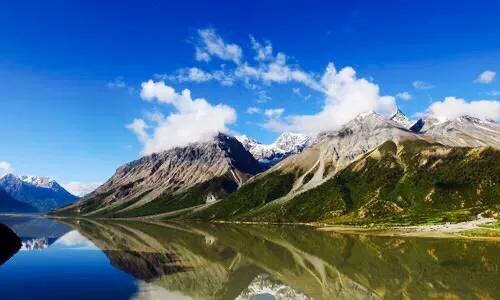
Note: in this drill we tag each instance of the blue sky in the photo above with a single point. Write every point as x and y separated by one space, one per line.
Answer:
71 71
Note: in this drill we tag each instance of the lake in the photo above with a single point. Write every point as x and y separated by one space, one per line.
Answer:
90 259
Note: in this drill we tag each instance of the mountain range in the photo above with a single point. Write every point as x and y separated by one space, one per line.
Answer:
32 194
373 169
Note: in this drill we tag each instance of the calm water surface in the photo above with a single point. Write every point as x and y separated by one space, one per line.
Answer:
133 260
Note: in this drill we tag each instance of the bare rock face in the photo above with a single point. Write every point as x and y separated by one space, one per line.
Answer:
336 149
171 172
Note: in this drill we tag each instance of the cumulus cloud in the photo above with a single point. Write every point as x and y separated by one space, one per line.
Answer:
404 96
5 168
486 77
139 126
346 96
422 85
211 44
194 120
80 189
452 107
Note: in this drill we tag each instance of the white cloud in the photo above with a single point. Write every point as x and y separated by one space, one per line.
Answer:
194 74
262 52
486 77
139 126
80 188
493 93
404 96
452 107
346 96
253 110
211 44
422 85
270 68
274 113
5 168
194 120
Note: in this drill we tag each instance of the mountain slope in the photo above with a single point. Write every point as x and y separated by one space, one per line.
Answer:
10 205
174 179
405 182
39 192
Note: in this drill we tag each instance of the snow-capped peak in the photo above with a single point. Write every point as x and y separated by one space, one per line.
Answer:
286 144
367 114
400 118
292 142
38 181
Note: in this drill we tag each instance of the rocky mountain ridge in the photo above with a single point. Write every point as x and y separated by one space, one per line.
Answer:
210 170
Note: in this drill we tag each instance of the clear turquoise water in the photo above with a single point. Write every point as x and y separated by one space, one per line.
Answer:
134 260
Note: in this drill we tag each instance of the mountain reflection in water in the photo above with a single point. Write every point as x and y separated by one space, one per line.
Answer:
227 261
292 262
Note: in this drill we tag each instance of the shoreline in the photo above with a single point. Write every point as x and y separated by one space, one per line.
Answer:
445 230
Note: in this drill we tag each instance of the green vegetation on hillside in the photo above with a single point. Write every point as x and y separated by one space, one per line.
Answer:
413 183
254 194
193 196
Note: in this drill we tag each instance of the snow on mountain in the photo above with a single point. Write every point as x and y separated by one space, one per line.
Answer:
463 131
400 118
34 244
40 192
266 287
39 181
269 154
292 142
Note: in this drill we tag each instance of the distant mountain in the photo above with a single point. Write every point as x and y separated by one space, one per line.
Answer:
40 192
464 131
286 144
10 205
179 178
